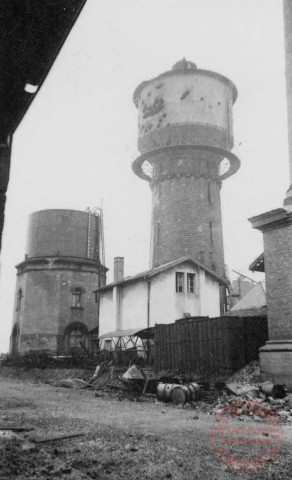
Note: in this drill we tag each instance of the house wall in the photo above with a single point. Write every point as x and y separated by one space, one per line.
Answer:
162 298
106 313
168 305
126 306
210 295
134 305
123 307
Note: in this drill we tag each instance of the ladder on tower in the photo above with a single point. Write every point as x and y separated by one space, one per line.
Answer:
102 237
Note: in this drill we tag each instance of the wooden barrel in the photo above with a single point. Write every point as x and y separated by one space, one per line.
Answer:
195 391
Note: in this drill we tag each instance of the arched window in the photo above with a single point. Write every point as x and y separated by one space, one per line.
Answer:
76 298
76 335
74 338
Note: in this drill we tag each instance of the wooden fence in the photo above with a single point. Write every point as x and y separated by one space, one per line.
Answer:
209 345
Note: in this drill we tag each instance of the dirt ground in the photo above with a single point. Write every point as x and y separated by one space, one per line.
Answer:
121 439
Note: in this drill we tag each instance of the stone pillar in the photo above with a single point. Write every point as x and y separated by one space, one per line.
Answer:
287 6
276 355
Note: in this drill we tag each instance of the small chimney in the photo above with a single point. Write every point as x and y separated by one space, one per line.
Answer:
118 269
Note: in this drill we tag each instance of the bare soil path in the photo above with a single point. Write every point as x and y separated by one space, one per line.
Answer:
122 439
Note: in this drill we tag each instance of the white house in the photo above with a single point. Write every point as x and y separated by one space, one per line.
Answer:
184 287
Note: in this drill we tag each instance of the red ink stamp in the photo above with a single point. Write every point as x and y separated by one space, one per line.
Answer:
247 446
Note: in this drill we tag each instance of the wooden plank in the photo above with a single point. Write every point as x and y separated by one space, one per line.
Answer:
166 339
195 327
211 346
217 325
189 344
176 346
60 437
16 428
207 346
204 335
170 359
200 345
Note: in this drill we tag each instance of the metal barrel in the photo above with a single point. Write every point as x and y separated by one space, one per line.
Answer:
275 391
195 391
164 391
181 394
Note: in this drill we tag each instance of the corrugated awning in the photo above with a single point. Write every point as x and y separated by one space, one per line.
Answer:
134 332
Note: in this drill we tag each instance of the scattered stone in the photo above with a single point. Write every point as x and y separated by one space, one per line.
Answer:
66 470
239 390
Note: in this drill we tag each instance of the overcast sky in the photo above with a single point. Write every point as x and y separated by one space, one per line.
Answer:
76 144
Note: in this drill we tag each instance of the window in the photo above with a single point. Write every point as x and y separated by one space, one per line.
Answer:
19 299
179 282
76 335
107 345
191 283
76 298
74 338
211 232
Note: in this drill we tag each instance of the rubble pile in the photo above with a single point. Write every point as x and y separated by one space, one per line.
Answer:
282 407
248 374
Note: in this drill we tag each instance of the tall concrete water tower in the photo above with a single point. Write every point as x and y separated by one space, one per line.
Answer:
185 140
55 308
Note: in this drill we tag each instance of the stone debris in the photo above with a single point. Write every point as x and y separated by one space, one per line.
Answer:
239 390
275 391
75 383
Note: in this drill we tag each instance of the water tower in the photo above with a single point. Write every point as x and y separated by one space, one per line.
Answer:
55 308
185 139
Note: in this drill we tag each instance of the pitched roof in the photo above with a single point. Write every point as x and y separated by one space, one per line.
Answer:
162 268
255 298
258 265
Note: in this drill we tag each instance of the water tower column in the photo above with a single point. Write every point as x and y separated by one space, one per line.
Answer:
185 134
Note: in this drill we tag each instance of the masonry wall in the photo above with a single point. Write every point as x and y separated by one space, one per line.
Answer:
186 210
47 303
278 269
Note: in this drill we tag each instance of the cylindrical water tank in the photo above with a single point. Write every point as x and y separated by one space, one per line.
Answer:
185 106
69 233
